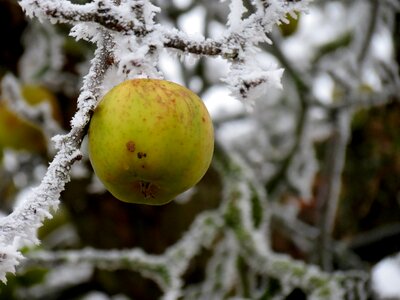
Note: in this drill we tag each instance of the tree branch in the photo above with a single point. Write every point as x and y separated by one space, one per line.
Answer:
19 227
328 195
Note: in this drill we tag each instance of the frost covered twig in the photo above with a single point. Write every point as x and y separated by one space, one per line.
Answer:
19 228
166 269
246 79
150 266
254 246
119 18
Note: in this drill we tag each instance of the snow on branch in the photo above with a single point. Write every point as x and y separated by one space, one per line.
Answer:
150 266
247 79
19 228
249 82
165 269
255 250
136 18
103 12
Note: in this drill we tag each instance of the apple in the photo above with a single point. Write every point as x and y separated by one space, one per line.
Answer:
21 134
288 29
36 94
150 140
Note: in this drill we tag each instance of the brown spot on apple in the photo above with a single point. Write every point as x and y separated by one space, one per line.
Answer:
148 189
141 155
130 146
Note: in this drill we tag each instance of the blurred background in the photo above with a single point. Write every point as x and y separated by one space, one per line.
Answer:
326 148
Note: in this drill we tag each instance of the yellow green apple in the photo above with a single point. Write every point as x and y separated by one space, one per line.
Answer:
150 140
21 134
288 29
36 94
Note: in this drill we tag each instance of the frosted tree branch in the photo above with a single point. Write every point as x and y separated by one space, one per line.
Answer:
166 269
255 247
149 266
116 18
19 228
236 45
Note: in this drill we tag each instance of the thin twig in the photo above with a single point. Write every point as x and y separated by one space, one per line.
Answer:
328 195
373 21
303 89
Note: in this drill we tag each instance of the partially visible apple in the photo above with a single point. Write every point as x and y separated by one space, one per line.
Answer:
36 94
150 140
288 29
21 134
